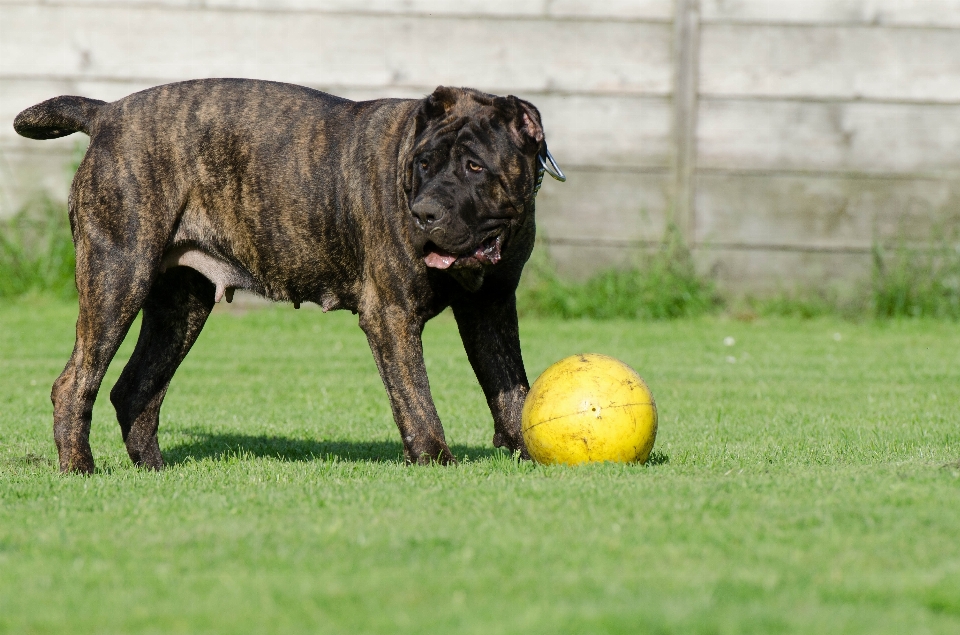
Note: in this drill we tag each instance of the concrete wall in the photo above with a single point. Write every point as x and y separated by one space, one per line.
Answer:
783 136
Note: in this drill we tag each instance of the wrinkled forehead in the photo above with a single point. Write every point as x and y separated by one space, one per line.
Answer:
490 140
484 137
471 120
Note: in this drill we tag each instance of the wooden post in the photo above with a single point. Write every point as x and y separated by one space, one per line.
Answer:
686 60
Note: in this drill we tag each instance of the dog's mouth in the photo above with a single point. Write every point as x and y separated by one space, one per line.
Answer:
488 253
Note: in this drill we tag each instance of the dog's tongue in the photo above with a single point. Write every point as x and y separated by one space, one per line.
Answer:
439 260
487 253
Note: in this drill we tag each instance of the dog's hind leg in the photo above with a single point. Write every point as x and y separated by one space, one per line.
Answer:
112 284
173 315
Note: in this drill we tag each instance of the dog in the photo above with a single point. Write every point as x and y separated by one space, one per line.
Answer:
394 209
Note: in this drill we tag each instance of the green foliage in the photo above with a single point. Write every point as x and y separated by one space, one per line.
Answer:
36 251
36 244
664 284
912 282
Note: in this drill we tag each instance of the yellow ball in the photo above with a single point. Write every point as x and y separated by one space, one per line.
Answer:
589 408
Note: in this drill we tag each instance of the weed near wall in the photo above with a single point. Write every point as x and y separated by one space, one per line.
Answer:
912 282
36 251
907 281
663 284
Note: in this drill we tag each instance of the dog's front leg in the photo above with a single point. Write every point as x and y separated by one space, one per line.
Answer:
491 337
394 337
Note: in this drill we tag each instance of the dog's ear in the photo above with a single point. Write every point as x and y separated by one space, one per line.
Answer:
441 100
530 123
523 120
436 106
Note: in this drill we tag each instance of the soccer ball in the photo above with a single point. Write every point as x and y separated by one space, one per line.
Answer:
589 408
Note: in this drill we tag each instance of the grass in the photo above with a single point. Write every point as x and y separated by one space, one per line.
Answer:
807 479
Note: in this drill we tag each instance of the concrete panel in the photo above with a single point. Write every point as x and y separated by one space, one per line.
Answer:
628 9
606 130
830 62
657 10
825 213
158 44
928 13
598 206
579 262
764 272
829 137
25 175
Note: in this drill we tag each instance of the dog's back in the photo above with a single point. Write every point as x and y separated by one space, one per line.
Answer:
228 164
219 99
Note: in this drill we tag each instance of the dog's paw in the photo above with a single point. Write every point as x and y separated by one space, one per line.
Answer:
440 455
513 444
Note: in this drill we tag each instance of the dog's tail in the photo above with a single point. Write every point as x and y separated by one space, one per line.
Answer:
57 117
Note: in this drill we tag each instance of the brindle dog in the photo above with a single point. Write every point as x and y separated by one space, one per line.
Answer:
394 209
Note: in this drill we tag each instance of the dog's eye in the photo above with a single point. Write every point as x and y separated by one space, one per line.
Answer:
474 167
424 165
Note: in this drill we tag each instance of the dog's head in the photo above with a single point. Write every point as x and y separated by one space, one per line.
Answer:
470 176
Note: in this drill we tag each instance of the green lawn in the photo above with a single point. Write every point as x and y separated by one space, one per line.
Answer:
806 479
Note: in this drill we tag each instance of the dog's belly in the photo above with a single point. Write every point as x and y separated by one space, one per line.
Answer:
227 277
243 247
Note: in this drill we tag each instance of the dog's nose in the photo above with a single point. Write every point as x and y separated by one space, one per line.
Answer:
428 212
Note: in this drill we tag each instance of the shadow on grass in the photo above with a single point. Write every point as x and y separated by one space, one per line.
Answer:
29 460
219 446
